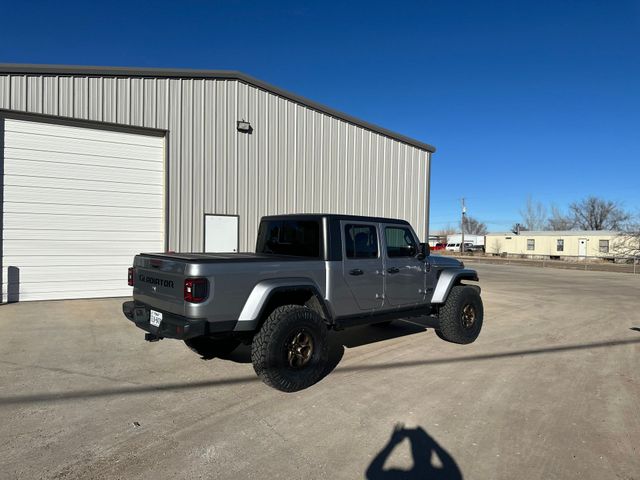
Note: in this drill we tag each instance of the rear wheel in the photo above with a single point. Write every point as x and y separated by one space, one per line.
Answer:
290 350
209 348
461 316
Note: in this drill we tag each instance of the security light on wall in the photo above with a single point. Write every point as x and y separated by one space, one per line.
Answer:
244 126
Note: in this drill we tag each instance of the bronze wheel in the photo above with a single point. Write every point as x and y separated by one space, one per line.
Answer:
468 316
461 316
290 351
299 349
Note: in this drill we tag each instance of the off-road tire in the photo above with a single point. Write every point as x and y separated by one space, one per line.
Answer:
209 348
452 321
271 346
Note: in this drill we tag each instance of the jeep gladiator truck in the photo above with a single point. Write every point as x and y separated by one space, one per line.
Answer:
309 274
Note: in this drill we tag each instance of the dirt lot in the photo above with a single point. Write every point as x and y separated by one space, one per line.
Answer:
551 390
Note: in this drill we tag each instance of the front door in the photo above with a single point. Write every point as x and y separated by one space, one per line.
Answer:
404 273
582 247
363 264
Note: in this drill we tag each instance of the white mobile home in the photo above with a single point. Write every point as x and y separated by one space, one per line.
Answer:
563 244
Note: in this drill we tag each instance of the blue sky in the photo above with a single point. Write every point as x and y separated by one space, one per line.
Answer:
537 98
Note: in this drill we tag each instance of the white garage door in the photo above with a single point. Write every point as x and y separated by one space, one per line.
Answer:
78 203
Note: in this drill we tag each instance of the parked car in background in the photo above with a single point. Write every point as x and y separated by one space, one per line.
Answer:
455 247
468 238
437 247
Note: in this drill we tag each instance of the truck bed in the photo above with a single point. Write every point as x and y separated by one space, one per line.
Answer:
226 257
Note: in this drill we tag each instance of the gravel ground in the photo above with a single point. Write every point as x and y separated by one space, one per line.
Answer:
550 390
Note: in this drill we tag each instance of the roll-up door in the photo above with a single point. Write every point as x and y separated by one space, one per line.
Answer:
77 204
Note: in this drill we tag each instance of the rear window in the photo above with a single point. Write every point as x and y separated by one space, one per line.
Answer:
289 237
361 241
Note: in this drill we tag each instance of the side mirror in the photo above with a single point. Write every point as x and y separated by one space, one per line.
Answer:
423 252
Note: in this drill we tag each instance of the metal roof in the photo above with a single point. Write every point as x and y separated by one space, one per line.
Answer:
29 69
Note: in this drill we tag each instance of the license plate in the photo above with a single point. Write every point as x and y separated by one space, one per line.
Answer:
155 318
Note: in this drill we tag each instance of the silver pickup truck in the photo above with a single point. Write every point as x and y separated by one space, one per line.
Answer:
309 274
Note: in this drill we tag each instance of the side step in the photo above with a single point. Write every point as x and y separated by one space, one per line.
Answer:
358 320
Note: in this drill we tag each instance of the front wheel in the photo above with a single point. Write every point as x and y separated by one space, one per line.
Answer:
290 351
461 316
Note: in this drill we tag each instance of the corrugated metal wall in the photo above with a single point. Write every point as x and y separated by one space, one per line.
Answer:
296 160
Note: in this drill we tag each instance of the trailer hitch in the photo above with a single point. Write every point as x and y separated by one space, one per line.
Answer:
150 337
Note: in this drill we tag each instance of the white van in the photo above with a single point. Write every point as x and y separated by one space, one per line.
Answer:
455 247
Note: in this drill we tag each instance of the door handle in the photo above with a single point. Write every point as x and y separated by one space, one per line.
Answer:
393 270
356 271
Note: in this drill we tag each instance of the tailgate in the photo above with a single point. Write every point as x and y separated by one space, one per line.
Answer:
159 282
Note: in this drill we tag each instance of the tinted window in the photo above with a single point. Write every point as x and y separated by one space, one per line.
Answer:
400 242
289 237
361 241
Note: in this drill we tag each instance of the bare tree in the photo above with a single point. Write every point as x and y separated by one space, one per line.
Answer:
474 226
560 221
595 213
448 229
518 227
534 215
628 242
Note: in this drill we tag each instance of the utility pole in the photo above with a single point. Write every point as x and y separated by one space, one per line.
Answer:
464 211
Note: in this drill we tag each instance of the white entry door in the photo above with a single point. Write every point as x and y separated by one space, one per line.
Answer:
220 233
582 247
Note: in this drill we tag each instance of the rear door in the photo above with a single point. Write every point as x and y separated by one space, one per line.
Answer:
362 263
404 273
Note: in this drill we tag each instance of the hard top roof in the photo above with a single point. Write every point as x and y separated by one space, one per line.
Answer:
338 216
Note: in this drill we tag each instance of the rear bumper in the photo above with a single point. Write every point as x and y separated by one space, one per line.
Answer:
173 326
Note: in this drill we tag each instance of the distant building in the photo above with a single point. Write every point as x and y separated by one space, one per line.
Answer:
551 244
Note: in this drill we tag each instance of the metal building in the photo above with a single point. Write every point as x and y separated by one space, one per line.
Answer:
101 163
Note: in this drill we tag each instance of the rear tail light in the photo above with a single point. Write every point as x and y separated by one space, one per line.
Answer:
196 290
131 276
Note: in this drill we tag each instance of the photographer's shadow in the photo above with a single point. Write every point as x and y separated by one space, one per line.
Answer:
423 449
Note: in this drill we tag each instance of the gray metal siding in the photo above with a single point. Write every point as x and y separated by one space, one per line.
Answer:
296 160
